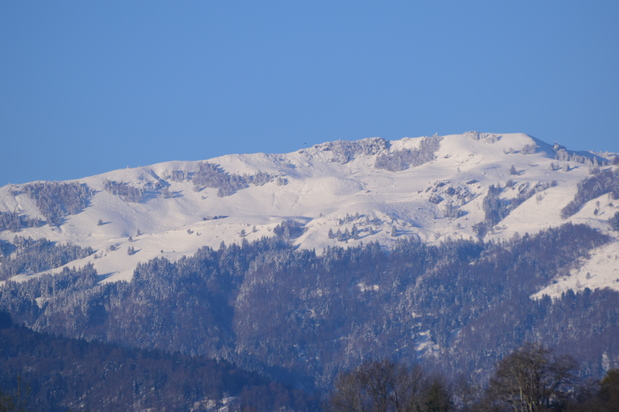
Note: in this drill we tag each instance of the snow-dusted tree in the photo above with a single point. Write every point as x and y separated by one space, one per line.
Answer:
614 222
166 192
354 232
494 208
529 149
513 171
289 229
178 175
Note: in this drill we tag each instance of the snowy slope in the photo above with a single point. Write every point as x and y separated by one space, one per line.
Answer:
333 186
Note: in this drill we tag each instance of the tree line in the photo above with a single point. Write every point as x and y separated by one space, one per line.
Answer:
532 378
45 372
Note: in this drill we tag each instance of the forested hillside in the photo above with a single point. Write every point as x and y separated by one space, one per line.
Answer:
48 373
295 315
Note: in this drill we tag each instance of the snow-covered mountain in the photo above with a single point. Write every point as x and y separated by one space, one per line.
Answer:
494 186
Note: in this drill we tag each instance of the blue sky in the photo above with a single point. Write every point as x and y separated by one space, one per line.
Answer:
88 87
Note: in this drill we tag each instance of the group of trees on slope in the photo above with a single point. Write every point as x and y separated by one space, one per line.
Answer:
43 372
15 221
124 190
602 182
27 255
213 176
530 379
55 200
405 158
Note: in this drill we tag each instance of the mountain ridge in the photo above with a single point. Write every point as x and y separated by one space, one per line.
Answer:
342 193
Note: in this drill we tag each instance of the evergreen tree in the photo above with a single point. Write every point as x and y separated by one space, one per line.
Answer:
614 222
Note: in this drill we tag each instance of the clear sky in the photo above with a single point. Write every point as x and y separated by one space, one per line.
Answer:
87 87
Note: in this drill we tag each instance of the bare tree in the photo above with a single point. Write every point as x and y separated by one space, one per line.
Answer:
388 387
531 379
